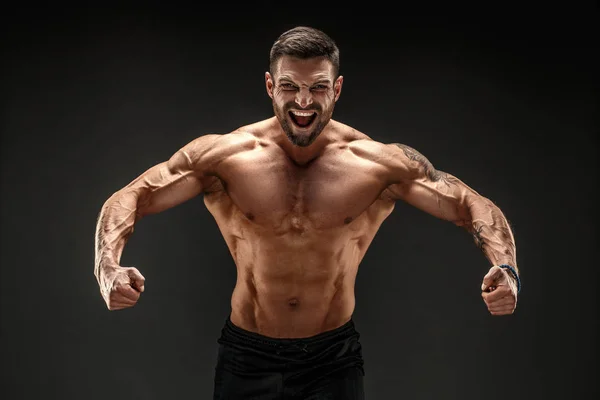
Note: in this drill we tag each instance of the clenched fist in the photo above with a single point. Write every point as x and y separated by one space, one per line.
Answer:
120 287
499 291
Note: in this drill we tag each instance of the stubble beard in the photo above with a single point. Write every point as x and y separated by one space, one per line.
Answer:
323 119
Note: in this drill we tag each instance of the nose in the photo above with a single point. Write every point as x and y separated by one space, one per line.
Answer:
304 97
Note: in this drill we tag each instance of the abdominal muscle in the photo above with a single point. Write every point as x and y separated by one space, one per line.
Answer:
291 286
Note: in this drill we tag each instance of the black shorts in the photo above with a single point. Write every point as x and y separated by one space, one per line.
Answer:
325 366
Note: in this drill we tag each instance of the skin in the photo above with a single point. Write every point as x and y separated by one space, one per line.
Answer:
298 209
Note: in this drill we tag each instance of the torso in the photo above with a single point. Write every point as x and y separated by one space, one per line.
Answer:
297 233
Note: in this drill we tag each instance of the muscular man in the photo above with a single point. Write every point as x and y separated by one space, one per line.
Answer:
298 198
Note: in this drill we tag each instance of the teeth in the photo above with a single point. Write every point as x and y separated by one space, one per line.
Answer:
302 114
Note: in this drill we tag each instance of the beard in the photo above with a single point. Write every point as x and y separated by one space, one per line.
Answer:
304 140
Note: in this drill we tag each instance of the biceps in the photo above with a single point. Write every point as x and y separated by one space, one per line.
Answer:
166 185
446 198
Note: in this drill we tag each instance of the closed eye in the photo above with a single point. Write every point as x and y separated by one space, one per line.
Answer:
288 86
320 87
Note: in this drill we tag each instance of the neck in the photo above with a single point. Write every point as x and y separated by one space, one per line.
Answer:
303 155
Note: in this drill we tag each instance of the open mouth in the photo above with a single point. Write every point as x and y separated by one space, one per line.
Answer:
302 119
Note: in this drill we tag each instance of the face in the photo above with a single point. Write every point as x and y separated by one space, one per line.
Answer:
304 93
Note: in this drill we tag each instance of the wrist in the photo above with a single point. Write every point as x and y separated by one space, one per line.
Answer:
104 265
512 272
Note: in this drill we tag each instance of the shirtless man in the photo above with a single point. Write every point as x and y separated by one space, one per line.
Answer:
298 198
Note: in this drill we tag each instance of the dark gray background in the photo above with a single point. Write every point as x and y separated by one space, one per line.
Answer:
92 98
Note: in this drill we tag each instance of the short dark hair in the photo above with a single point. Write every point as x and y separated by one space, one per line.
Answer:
305 42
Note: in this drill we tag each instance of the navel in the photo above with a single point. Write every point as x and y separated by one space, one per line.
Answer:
293 302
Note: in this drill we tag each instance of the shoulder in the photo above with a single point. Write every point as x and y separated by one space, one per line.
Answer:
398 158
211 149
401 160
381 152
364 146
211 145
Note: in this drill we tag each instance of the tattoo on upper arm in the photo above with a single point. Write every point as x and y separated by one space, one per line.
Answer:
430 171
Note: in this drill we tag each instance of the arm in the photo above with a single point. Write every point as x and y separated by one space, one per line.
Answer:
159 188
414 180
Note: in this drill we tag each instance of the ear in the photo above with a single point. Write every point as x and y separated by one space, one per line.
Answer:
337 87
269 84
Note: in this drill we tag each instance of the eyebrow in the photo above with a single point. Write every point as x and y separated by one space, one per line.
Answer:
318 81
323 80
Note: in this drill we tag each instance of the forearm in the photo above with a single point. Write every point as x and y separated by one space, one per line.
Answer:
115 225
491 232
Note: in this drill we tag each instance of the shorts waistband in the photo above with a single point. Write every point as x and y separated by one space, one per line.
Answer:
235 332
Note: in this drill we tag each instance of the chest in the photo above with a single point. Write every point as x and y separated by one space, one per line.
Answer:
332 190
